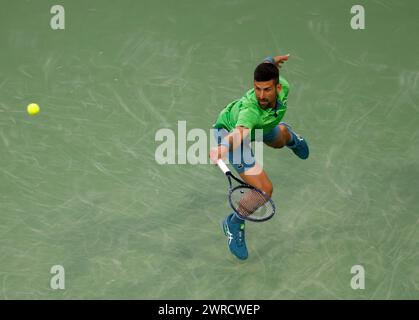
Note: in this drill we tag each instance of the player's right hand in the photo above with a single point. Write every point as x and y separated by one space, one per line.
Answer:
217 153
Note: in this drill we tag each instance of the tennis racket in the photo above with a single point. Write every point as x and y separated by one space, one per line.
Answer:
248 202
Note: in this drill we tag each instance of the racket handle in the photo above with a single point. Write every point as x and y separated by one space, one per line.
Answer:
221 164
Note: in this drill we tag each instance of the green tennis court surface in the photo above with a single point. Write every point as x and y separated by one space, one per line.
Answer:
80 188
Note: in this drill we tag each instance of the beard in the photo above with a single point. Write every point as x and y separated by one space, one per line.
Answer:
264 103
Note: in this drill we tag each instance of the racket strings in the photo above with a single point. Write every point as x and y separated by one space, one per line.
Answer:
251 202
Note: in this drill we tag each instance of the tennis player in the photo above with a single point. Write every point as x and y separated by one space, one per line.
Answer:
262 107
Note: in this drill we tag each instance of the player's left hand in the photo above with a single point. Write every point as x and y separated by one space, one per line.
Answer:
279 60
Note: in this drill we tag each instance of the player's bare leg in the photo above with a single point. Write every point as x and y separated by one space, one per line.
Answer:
295 142
258 178
282 139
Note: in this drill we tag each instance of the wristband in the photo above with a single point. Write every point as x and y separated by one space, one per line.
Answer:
269 59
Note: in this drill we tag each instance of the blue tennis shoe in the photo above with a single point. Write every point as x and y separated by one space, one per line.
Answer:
236 237
298 145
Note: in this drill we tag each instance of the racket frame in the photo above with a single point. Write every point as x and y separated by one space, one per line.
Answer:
221 164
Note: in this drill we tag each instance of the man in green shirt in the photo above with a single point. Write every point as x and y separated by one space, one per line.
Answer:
262 108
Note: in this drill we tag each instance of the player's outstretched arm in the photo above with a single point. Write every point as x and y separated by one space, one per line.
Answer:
234 140
278 60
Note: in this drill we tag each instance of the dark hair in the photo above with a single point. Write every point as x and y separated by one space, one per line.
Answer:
265 72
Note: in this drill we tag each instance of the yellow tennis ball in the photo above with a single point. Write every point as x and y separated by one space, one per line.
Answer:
33 109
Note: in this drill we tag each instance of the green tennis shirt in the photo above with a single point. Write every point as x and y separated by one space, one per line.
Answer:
246 112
